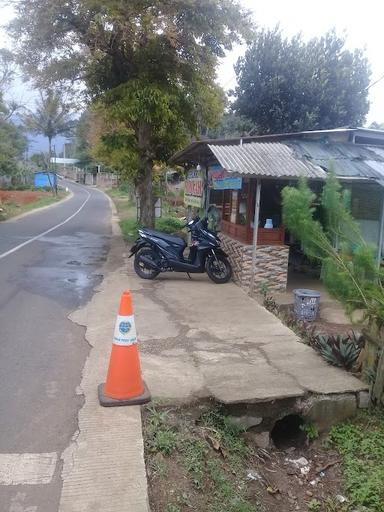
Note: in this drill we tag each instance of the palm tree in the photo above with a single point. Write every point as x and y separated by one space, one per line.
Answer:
51 117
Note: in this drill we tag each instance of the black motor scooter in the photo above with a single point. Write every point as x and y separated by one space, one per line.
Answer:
157 252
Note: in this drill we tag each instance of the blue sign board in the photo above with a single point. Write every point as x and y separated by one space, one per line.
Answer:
45 179
227 183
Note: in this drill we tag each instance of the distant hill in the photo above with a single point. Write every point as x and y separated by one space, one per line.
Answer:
39 144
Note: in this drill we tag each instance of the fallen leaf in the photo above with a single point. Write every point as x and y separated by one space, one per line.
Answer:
213 442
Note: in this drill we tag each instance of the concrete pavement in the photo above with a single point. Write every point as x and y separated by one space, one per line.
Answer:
104 466
207 340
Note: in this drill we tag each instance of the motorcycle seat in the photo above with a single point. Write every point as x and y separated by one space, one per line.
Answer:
164 236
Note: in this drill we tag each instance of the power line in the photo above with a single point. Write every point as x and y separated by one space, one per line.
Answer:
374 83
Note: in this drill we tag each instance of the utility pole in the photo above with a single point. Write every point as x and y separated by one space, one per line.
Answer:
64 170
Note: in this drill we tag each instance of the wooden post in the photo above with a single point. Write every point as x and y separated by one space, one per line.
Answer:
378 387
255 231
381 233
206 191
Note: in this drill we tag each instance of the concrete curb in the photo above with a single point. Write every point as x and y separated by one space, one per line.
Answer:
36 210
103 467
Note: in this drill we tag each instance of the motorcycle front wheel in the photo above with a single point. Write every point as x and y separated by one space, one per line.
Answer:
219 269
141 269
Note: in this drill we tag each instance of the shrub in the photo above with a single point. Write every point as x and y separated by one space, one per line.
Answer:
169 225
349 267
129 229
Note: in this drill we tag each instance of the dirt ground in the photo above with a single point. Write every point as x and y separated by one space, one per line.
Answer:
200 465
22 196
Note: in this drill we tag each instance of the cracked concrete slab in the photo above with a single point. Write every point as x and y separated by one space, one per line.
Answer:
175 378
249 383
224 345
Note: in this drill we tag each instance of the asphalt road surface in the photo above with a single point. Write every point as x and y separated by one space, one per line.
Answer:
49 264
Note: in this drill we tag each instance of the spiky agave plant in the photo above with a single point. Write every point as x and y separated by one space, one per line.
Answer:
338 350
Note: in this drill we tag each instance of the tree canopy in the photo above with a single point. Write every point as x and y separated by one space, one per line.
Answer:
12 142
291 85
148 68
51 117
231 125
12 139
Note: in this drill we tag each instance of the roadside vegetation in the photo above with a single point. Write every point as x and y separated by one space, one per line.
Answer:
126 208
361 445
198 459
15 202
196 465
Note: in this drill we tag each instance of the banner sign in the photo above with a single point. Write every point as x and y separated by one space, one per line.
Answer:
221 180
194 189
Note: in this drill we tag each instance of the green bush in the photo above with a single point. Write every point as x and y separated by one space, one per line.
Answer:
125 187
169 225
129 229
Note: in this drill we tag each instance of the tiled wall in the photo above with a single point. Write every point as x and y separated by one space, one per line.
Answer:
271 264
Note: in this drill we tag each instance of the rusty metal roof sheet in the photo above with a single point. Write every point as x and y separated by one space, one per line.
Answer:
268 159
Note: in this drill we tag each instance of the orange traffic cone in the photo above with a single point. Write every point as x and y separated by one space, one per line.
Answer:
124 384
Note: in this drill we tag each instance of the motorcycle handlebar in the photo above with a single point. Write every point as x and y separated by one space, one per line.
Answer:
195 221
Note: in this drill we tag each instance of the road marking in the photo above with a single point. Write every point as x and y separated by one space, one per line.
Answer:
27 468
20 246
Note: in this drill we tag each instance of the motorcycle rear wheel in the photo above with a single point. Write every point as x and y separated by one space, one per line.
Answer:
219 269
140 268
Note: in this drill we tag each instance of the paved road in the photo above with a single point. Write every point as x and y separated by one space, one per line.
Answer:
42 279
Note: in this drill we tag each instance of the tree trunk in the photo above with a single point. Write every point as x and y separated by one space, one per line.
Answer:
49 166
49 152
144 188
147 207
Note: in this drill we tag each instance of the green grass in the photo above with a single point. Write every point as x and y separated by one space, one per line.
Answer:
171 225
212 474
126 209
13 209
314 505
129 229
361 445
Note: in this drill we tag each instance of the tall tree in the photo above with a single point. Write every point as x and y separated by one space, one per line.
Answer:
51 117
148 65
290 85
376 126
12 143
12 139
231 125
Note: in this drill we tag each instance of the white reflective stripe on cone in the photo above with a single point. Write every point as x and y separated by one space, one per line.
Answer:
125 331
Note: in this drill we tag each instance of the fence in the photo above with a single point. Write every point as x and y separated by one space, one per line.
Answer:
373 364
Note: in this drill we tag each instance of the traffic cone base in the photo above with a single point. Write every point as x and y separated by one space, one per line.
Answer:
106 401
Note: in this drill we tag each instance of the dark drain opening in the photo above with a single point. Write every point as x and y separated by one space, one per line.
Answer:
288 432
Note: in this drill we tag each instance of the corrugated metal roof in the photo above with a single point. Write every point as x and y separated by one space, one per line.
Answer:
348 159
269 159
